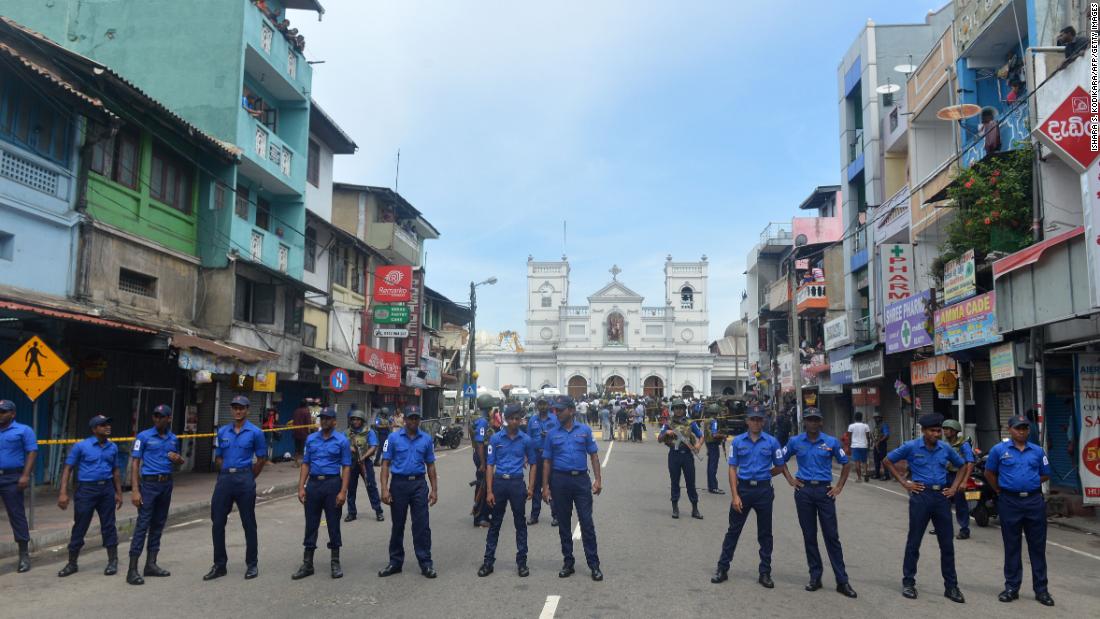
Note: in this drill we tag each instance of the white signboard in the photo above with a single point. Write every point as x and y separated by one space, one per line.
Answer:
1092 228
391 333
836 333
899 277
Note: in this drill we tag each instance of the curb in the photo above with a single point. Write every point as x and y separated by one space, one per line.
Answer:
125 526
1062 524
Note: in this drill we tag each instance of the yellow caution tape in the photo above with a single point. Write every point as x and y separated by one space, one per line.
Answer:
124 439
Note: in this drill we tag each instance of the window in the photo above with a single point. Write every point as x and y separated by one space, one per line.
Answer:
7 246
240 206
309 335
254 302
170 179
137 283
219 196
313 164
118 158
309 261
546 302
687 298
357 268
33 122
295 309
263 214
340 267
242 300
284 257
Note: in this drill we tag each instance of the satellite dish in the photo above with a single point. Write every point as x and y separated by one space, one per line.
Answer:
800 240
887 89
905 68
961 111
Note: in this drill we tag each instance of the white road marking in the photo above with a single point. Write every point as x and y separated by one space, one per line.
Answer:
550 607
607 456
577 531
184 524
447 453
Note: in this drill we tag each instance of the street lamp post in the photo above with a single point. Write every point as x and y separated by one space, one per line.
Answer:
472 353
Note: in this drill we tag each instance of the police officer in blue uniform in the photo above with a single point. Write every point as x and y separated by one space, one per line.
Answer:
539 426
929 500
566 453
509 454
154 452
407 455
18 451
683 439
326 465
95 460
240 456
1017 469
478 439
815 496
755 457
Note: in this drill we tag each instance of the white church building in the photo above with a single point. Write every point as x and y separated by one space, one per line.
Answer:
614 342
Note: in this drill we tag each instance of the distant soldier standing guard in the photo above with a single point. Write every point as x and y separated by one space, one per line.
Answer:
714 440
683 438
364 445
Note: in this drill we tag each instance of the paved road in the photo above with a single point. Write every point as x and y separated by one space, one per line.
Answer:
654 566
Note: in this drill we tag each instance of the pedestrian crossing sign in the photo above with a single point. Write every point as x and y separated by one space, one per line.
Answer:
34 368
469 390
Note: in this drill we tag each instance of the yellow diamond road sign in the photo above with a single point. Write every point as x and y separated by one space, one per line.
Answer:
34 368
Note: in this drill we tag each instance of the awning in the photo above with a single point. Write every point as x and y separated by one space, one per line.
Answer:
74 316
336 360
243 354
1032 254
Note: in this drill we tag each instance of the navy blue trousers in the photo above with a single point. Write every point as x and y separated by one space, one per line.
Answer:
536 500
962 509
508 492
814 504
410 495
372 488
94 498
713 455
234 489
321 499
13 504
156 498
681 461
759 499
570 490
1028 517
926 506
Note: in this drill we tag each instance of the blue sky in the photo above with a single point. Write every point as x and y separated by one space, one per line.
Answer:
653 128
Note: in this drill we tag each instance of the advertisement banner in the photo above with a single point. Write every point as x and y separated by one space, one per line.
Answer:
388 365
786 371
412 342
868 366
393 284
391 314
1087 375
968 324
905 321
958 279
1002 361
899 277
1069 129
923 371
836 333
840 366
434 368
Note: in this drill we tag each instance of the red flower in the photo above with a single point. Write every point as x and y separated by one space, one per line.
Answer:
987 221
996 172
993 181
968 184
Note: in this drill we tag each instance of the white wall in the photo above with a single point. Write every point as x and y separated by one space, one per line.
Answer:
319 198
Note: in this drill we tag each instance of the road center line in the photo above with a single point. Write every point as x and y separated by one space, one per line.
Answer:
550 607
607 456
184 524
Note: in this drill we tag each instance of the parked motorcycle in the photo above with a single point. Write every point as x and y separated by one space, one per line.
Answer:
980 496
448 435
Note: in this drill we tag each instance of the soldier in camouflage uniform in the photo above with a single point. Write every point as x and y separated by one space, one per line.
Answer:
715 441
364 444
683 438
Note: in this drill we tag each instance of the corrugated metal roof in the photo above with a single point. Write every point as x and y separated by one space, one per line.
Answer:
85 318
222 349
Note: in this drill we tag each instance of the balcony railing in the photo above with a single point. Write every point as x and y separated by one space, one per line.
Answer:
811 296
855 144
776 233
269 46
865 334
654 312
574 311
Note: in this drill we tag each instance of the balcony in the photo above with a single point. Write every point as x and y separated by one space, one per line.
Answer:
270 59
811 298
394 242
893 226
574 311
655 313
779 294
865 332
269 160
855 153
812 369
1014 133
776 238
860 253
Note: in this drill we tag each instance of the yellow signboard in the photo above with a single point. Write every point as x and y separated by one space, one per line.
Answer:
264 382
946 382
34 368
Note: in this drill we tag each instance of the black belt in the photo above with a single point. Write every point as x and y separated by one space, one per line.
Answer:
1021 494
409 477
933 487
572 473
815 482
505 476
753 482
156 478
323 477
101 482
11 471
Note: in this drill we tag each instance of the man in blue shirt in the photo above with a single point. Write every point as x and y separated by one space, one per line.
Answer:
683 438
18 451
881 439
407 455
154 452
509 454
929 500
566 453
540 425
715 442
815 496
239 455
326 464
1016 469
479 437
98 491
755 457
364 446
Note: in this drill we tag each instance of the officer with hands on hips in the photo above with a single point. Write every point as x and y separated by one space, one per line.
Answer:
815 496
1017 469
98 491
509 454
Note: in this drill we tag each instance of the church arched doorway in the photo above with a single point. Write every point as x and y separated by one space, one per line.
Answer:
653 387
578 387
687 392
615 384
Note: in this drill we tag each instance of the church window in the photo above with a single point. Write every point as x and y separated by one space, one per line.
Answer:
687 298
546 300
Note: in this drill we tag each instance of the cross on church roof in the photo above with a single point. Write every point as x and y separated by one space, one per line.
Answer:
615 270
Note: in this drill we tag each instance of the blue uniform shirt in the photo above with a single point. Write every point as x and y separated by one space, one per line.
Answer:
92 460
325 456
713 426
510 455
481 425
569 449
408 456
236 449
372 438
538 428
815 457
152 449
1018 471
16 441
927 466
754 460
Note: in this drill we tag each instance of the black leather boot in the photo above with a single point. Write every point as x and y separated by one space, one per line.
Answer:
24 558
675 510
70 567
334 564
306 569
151 567
132 575
112 561
695 512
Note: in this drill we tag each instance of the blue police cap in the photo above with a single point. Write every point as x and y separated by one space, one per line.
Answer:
563 402
513 409
757 412
412 411
931 420
163 410
1019 420
7 405
98 420
811 413
240 401
542 400
327 411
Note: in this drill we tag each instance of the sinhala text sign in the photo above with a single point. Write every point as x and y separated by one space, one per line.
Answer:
1087 379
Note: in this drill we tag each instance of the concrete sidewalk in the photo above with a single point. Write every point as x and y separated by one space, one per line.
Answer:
190 499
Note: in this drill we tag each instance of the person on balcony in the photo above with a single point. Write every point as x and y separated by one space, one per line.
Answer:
991 131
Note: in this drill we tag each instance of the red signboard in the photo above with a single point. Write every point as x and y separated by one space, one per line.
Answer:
388 365
412 342
392 284
1069 131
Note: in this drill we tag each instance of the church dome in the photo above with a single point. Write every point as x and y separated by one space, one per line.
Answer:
735 329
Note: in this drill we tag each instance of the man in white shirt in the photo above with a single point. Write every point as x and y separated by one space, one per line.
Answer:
860 433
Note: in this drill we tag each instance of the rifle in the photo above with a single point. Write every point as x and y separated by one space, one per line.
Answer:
682 440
